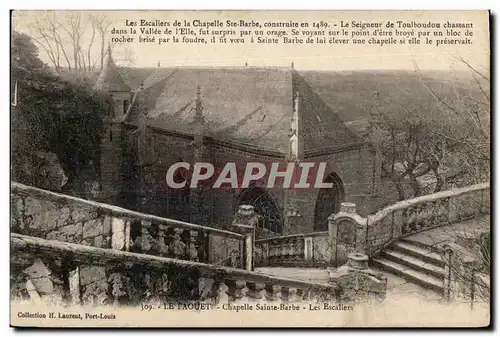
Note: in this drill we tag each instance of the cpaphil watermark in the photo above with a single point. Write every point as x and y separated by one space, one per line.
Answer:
293 175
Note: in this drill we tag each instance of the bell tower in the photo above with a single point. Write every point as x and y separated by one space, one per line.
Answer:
114 87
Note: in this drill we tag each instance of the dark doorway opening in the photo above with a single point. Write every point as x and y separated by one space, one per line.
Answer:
328 202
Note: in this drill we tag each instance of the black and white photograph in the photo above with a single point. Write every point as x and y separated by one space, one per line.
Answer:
250 168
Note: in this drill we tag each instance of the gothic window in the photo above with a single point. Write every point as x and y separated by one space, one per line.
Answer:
328 202
110 135
265 206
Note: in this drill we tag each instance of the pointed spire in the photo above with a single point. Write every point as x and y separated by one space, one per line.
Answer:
292 65
199 107
246 64
159 64
110 78
295 116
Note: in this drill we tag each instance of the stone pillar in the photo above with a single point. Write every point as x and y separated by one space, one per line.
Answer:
244 222
358 283
449 281
308 249
44 284
332 239
120 234
93 284
347 216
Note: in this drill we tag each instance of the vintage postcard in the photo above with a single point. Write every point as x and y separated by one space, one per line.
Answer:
250 169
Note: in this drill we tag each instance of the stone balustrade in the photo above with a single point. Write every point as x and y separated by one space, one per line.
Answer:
348 232
61 272
299 250
429 211
53 216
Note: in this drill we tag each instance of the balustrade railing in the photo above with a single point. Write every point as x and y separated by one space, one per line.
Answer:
429 211
55 216
293 250
109 277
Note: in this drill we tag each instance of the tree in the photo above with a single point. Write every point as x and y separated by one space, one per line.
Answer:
52 115
431 142
470 106
75 41
102 25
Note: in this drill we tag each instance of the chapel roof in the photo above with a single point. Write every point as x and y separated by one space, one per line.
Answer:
248 105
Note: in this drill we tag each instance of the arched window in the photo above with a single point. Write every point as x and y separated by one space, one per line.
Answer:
265 206
328 202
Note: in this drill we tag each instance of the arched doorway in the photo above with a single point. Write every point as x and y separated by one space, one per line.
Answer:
328 202
265 206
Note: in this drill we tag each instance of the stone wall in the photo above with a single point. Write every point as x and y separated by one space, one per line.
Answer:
65 219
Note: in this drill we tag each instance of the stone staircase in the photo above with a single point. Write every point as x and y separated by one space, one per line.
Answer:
415 262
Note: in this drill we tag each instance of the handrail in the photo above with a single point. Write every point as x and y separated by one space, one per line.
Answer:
380 215
117 211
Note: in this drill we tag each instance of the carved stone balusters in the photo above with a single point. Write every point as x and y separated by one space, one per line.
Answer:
192 252
254 292
289 294
146 238
177 247
303 295
412 213
291 250
283 251
162 246
431 216
218 292
121 288
405 221
203 246
428 216
273 252
300 244
273 292
235 290
443 214
418 211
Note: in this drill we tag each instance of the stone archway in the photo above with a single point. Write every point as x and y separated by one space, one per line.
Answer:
265 206
328 202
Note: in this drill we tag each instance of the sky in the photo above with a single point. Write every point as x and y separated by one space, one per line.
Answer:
305 57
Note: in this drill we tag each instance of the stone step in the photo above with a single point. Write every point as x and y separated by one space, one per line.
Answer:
415 276
415 242
413 262
419 252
